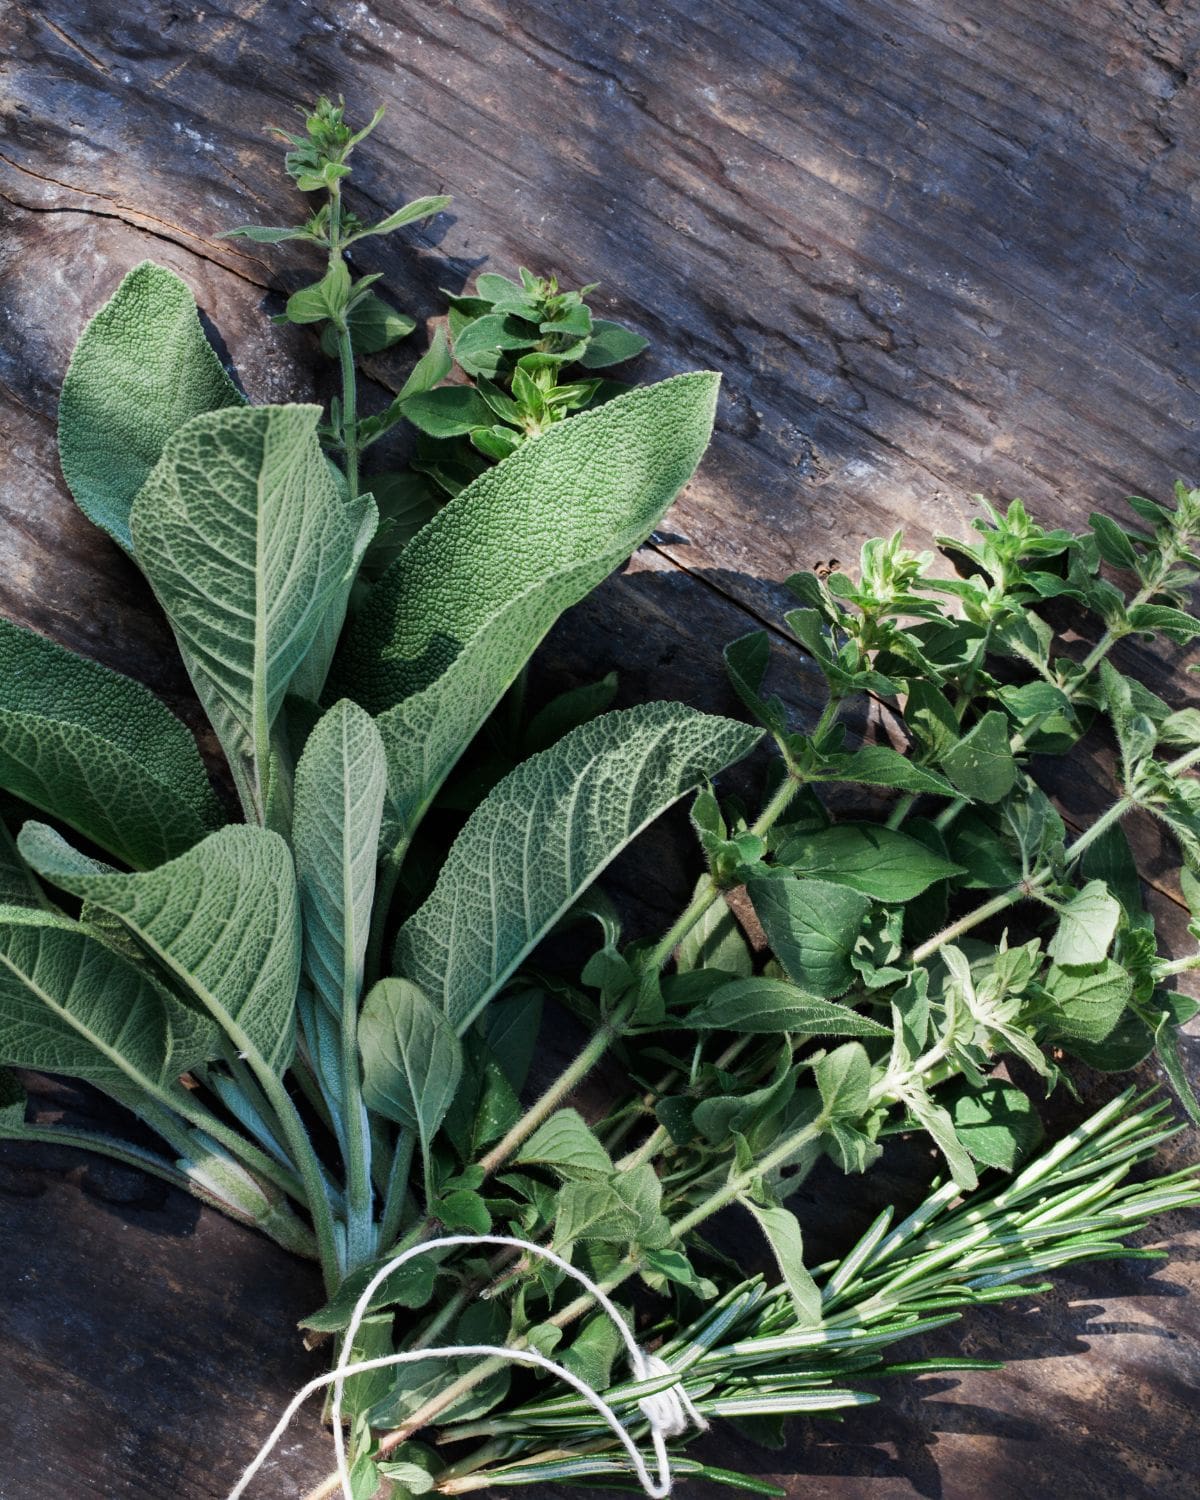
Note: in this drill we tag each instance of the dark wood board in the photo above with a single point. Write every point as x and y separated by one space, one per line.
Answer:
935 249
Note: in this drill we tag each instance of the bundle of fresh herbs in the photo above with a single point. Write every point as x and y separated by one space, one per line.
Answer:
326 1012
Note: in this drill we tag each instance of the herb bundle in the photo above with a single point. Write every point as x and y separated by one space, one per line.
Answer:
326 1011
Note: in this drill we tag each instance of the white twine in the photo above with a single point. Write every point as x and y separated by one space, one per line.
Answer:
668 1412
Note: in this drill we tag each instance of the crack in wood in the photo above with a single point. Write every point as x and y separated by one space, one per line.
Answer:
133 218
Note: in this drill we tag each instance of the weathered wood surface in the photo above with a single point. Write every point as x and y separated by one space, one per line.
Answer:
935 249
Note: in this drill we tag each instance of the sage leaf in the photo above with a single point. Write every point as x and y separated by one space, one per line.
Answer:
543 835
568 1147
308 680
247 545
981 765
412 1060
761 1004
70 1004
878 861
812 926
1086 926
142 368
341 781
99 751
447 628
18 884
782 1231
223 918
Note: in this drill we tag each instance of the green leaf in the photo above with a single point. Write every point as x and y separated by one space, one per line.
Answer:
1166 1041
868 857
99 751
746 662
1086 926
939 1125
624 1209
341 781
1135 731
1175 624
419 208
13 1100
483 344
812 926
406 502
1126 1045
510 1029
844 1079
1089 1001
263 234
543 835
929 715
876 765
432 368
449 411
450 625
323 299
611 344
223 918
997 1124
568 1146
248 547
409 1285
142 368
308 680
568 711
782 1230
374 325
981 765
70 1004
1115 546
761 1005
715 942
412 1061
18 884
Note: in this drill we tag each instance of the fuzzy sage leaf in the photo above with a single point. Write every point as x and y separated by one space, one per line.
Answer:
99 751
223 918
451 623
141 370
247 544
542 837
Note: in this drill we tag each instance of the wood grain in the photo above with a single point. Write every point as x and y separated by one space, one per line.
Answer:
935 249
